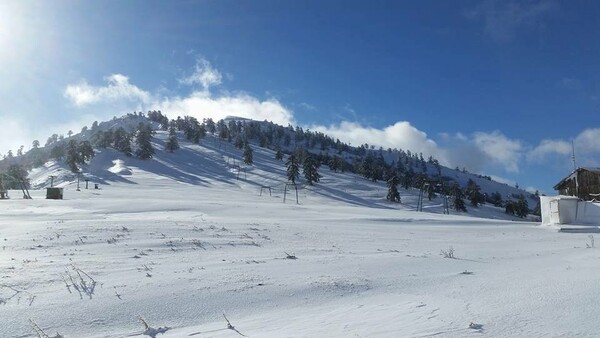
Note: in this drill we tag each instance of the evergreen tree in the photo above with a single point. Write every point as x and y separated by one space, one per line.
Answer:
311 170
287 139
393 195
143 138
407 179
238 143
522 207
300 154
496 199
122 141
248 154
172 143
473 192
510 207
58 151
458 203
222 128
51 140
336 163
293 170
86 151
278 153
210 125
15 175
103 139
77 154
36 144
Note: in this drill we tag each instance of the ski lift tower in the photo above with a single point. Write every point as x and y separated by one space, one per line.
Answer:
424 188
3 191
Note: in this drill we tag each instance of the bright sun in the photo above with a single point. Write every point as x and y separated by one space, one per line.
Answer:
11 30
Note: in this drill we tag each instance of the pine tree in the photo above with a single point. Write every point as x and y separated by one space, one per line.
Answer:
210 125
73 158
473 193
311 170
103 139
222 128
172 143
122 141
510 207
143 138
51 140
278 153
407 179
393 195
336 163
15 175
86 151
522 207
458 203
238 143
248 154
57 152
78 153
496 199
293 170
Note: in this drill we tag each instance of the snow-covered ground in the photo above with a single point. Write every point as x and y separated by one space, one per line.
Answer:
182 240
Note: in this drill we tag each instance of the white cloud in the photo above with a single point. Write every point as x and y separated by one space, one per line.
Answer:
460 151
117 88
400 135
204 105
475 152
119 95
481 151
587 142
500 149
204 74
547 147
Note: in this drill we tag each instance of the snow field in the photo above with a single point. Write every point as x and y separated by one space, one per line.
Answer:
181 241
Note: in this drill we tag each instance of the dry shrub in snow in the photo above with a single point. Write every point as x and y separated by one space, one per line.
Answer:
448 253
80 281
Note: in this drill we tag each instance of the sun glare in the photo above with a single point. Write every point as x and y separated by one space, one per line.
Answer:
9 27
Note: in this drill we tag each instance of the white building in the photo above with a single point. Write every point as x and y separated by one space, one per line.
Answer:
569 210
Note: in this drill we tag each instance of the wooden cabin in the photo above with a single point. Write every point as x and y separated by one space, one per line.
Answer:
583 183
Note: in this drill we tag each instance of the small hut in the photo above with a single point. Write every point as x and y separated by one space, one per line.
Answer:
583 183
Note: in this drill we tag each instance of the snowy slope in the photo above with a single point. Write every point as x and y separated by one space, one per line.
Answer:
185 238
215 162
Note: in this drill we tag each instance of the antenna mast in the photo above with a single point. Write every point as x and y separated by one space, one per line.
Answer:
573 155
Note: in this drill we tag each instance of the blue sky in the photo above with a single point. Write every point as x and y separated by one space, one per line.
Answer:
498 87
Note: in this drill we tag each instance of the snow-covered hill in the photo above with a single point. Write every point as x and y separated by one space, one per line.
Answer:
195 244
179 244
216 162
